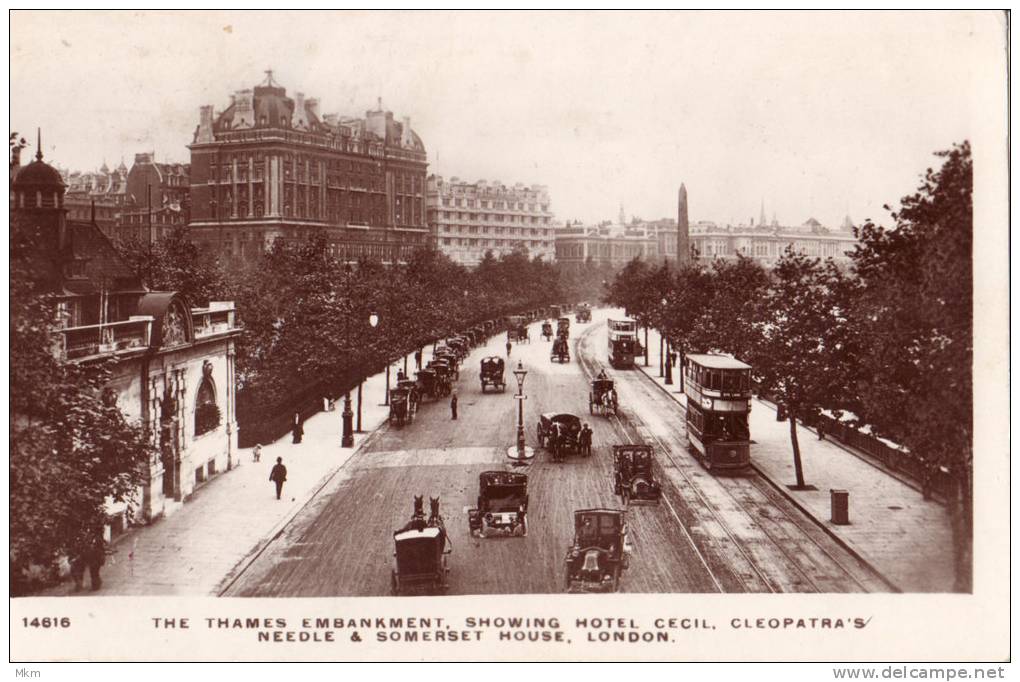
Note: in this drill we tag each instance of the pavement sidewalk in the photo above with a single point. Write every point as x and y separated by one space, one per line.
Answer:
903 536
228 520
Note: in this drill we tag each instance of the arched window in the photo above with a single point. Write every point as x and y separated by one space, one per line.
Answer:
207 413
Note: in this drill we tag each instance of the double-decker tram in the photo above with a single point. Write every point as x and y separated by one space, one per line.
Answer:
622 343
718 392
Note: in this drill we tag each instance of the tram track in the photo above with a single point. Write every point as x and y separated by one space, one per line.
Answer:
768 511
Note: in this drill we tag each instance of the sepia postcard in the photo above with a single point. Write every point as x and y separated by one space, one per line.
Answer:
509 336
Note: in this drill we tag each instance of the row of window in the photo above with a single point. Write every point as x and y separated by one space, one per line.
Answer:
493 217
474 203
715 426
531 244
475 229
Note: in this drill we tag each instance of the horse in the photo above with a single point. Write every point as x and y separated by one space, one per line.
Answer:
417 521
435 518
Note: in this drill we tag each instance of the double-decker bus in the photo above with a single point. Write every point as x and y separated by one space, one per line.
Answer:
718 392
622 343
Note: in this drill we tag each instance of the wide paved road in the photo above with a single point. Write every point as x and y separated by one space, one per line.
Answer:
709 534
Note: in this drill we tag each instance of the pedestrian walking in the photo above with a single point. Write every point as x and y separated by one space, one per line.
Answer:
821 430
417 358
95 557
585 438
299 430
508 347
325 403
453 405
278 475
256 453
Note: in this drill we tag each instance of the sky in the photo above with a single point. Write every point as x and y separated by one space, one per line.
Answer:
816 114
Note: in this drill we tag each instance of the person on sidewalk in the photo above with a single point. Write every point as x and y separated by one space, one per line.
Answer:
299 430
278 475
256 453
453 405
417 358
95 557
508 347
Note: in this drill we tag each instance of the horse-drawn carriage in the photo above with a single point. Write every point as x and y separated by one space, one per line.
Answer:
420 552
560 350
563 328
633 479
434 381
602 398
502 505
600 551
547 330
401 404
492 373
523 335
460 345
559 433
583 313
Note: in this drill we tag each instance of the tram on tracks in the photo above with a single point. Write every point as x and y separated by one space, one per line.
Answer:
718 392
622 343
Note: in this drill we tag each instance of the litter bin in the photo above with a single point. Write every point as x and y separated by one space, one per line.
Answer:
840 507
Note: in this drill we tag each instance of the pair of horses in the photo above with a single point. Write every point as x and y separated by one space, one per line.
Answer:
419 521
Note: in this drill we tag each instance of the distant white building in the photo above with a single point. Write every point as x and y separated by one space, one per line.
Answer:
468 219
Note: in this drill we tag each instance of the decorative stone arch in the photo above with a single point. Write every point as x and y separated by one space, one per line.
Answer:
207 412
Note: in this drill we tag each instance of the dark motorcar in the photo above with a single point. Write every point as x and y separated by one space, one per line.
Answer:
633 479
492 373
560 350
558 433
599 553
502 505
401 407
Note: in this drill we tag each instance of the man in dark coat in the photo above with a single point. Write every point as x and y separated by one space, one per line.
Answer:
417 358
299 430
453 405
509 346
585 440
278 475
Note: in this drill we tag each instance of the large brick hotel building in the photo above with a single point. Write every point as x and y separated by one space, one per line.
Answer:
270 166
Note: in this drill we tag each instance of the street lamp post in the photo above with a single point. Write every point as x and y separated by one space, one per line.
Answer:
521 452
347 439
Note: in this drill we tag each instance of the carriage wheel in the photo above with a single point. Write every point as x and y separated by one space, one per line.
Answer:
566 582
616 578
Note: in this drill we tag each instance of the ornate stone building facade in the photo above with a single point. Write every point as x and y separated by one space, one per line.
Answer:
174 369
766 243
126 203
272 167
468 219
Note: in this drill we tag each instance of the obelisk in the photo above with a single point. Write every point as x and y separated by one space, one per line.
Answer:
683 243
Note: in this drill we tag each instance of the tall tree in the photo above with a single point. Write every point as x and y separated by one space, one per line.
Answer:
917 344
173 263
71 448
799 341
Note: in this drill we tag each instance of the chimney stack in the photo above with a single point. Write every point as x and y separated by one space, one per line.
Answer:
406 139
299 118
205 125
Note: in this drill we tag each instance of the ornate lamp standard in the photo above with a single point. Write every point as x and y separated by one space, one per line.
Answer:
669 362
520 453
